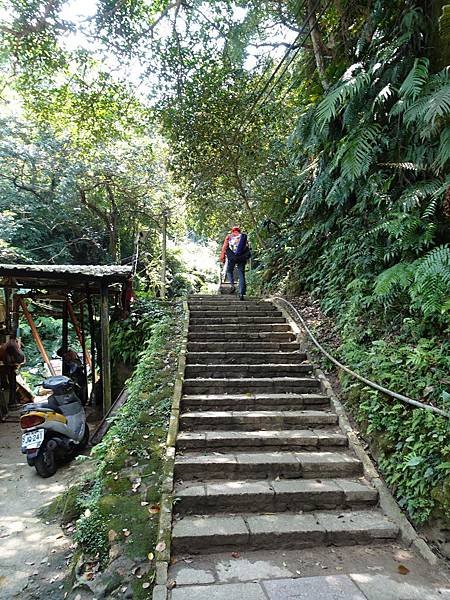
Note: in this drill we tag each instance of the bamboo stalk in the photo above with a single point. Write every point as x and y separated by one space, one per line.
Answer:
35 334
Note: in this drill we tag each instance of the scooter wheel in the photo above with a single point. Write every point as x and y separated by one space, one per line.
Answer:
45 463
85 441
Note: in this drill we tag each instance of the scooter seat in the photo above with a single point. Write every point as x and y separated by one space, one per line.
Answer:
42 406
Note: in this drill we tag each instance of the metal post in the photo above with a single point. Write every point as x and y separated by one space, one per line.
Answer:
164 254
65 334
79 330
106 351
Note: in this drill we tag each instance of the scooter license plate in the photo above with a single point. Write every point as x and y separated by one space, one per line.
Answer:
33 439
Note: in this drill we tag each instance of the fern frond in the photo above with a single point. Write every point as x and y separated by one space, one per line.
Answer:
383 96
393 280
414 194
416 79
426 109
431 289
443 152
348 88
356 151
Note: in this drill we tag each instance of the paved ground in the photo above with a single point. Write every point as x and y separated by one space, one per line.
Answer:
388 572
32 553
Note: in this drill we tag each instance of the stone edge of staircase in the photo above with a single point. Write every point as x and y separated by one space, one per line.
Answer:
164 537
386 500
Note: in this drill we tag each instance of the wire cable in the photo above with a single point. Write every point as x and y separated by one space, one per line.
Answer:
367 382
246 119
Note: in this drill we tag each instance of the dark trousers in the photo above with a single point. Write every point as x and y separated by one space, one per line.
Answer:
241 272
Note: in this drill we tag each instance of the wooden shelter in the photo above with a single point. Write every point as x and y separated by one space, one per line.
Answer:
72 286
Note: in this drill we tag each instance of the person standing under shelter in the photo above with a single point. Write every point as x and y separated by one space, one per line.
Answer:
237 252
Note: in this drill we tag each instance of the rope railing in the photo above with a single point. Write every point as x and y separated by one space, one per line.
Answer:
367 382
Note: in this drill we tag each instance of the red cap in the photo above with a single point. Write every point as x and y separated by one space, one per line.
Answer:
236 228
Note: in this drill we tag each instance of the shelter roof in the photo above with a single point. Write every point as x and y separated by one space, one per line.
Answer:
62 276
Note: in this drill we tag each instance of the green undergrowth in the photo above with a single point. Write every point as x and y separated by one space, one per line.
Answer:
116 511
410 445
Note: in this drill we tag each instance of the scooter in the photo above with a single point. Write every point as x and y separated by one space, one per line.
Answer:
54 431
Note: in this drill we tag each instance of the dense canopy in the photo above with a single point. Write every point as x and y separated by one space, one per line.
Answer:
322 127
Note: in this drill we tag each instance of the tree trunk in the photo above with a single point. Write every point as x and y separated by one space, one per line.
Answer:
245 198
114 248
317 44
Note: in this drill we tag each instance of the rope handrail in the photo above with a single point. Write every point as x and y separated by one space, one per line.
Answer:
367 382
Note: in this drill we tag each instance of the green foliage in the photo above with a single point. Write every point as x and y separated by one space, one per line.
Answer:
412 446
134 445
426 281
129 336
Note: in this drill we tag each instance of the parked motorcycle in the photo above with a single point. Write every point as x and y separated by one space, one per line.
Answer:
54 431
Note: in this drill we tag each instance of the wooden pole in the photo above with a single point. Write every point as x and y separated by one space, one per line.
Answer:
65 334
8 307
92 335
79 331
12 387
164 255
106 351
35 334
84 349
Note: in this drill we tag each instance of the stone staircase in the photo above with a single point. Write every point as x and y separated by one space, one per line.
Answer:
261 461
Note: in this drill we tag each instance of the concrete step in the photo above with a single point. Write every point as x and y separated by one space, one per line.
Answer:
243 346
266 464
250 385
221 420
235 307
236 320
238 358
208 497
217 297
239 328
235 314
286 530
265 370
286 439
238 336
258 401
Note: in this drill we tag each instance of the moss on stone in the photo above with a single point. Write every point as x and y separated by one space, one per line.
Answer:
65 507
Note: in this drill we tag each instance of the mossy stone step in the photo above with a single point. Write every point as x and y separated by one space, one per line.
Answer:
266 464
256 420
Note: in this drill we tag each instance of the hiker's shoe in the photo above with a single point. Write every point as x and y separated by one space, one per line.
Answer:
232 289
241 297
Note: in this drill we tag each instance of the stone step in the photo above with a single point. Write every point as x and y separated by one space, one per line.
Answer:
239 328
265 370
250 385
214 297
236 320
256 420
244 346
268 464
193 534
235 314
238 336
268 495
236 308
238 358
259 401
286 439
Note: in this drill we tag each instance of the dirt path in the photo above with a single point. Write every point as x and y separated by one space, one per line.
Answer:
32 552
